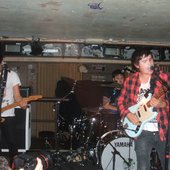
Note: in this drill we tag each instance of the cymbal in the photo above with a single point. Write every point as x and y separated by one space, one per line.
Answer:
108 111
111 85
91 109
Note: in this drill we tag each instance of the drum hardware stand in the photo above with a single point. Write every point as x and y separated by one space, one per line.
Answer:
71 129
118 153
56 109
47 144
56 105
90 132
71 91
99 145
57 117
113 158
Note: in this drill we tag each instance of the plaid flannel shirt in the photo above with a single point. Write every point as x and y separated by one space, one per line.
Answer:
128 97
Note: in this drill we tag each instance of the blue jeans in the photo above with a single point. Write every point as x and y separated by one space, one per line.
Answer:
143 147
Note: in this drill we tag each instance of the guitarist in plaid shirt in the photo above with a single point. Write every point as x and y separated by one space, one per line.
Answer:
154 132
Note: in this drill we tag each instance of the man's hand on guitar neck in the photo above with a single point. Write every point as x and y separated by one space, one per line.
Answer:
133 118
23 103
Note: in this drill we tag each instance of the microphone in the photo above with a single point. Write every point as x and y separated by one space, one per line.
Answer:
155 68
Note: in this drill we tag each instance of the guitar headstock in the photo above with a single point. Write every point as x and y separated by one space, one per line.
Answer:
35 97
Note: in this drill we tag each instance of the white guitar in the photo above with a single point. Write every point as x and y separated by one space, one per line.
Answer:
144 112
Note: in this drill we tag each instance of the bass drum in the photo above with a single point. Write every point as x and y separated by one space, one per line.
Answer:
117 153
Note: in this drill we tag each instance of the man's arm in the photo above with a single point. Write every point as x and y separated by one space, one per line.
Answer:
18 97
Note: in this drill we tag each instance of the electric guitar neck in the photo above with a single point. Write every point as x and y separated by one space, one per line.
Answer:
15 104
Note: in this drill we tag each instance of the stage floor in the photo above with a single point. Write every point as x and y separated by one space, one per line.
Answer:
80 158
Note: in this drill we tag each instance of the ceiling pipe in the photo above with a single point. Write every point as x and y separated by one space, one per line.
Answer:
90 41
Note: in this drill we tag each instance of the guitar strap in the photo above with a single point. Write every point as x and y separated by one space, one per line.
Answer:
3 81
152 84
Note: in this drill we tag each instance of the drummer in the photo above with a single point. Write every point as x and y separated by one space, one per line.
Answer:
110 97
109 111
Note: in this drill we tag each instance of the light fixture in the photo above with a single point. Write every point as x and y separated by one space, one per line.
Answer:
36 48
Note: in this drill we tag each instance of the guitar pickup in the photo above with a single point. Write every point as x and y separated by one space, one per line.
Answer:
138 112
145 108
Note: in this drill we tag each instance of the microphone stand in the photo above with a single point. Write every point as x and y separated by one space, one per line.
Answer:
56 124
71 127
166 89
163 82
118 153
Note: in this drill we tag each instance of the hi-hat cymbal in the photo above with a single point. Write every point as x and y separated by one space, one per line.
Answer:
91 109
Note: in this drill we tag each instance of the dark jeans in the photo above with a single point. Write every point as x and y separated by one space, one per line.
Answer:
8 132
143 147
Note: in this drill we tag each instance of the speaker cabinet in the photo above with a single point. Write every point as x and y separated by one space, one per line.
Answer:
23 130
25 91
23 126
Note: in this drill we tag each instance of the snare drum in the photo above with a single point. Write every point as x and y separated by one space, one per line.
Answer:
118 153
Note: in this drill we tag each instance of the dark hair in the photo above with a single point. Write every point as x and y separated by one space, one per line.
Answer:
138 55
117 72
1 58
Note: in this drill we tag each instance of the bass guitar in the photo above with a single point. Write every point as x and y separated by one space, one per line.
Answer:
15 104
144 112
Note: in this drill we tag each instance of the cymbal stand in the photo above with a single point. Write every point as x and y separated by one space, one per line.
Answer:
118 153
90 132
71 91
56 124
71 129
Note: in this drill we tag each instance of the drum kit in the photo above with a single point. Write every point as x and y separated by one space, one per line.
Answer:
99 136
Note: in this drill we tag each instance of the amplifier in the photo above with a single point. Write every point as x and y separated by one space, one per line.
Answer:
23 125
23 130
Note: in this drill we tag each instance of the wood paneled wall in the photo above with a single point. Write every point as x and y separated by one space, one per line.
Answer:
42 77
48 75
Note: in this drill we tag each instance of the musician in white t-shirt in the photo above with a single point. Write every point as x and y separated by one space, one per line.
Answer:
10 94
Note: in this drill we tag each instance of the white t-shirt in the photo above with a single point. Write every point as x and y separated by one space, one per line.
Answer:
153 124
8 98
